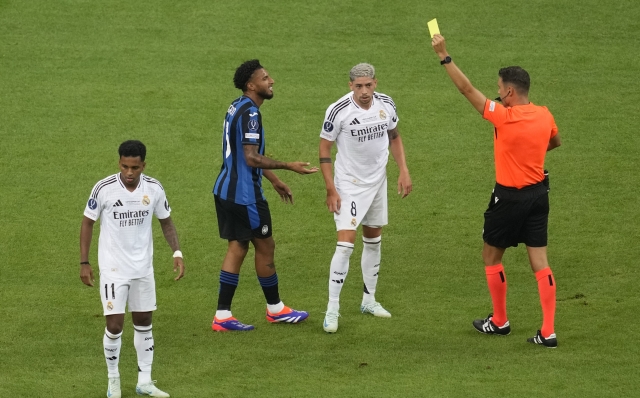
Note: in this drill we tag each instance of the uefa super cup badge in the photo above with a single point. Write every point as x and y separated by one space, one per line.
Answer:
146 200
382 114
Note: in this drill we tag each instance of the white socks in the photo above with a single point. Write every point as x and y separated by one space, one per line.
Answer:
143 341
338 273
370 267
275 308
223 314
112 344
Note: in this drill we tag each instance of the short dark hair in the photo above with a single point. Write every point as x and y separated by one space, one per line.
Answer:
132 149
244 73
516 76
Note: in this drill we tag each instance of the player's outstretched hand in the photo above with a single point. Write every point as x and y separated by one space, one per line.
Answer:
438 44
86 274
283 190
178 266
301 167
333 201
405 186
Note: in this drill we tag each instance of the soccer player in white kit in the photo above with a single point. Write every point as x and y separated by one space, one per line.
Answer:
364 125
125 204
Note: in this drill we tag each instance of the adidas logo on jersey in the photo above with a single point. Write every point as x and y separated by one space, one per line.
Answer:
354 121
118 203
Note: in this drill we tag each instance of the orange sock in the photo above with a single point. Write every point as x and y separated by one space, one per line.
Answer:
547 290
497 282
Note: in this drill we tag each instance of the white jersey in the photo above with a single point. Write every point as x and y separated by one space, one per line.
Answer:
125 247
361 137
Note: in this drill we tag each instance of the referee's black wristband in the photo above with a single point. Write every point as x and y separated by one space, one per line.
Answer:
84 262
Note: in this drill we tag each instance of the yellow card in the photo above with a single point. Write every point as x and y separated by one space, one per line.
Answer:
433 27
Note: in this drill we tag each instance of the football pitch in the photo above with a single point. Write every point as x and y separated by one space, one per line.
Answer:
79 77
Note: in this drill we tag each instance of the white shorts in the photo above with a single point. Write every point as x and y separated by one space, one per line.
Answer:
139 294
361 205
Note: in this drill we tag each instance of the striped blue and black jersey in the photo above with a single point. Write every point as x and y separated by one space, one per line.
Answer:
237 181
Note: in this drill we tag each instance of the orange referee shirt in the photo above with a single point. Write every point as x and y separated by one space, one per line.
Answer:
520 139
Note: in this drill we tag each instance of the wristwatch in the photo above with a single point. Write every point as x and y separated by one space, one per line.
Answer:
446 60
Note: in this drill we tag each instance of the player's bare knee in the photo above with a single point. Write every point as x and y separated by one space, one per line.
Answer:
240 247
264 247
115 324
142 318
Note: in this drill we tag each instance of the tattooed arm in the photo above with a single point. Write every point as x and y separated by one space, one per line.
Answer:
254 159
171 235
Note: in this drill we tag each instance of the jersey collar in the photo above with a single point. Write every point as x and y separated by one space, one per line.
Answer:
122 184
373 99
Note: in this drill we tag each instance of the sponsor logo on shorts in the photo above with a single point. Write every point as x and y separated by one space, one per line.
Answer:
496 200
382 114
253 125
353 222
265 229
328 126
146 200
92 204
338 281
109 306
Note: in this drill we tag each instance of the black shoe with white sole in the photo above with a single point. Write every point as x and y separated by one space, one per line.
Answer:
549 342
487 326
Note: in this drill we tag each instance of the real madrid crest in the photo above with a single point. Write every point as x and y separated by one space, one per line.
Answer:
146 200
353 222
382 114
109 306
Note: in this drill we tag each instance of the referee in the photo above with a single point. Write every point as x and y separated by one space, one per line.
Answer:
519 206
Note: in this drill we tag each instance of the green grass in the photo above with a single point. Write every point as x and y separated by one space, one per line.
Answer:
79 77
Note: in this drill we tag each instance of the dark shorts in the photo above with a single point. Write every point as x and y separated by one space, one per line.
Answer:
517 216
243 222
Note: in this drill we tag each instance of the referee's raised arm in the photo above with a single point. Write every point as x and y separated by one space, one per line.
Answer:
477 99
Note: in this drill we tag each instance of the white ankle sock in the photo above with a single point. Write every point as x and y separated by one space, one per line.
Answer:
275 308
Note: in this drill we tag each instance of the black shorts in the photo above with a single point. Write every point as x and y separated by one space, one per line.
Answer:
243 222
517 216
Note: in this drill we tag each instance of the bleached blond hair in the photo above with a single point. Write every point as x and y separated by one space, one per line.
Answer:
362 70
